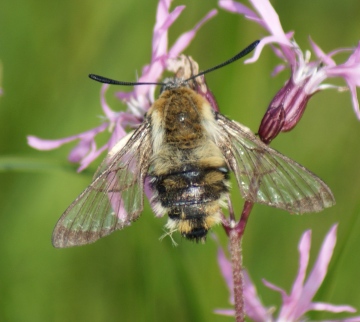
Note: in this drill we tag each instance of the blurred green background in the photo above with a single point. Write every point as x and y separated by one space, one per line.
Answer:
47 49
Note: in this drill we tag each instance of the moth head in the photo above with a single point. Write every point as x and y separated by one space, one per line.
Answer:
173 83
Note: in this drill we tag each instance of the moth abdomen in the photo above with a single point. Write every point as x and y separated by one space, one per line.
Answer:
195 186
194 221
192 198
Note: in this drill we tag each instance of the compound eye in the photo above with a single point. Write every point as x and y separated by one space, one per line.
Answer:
167 84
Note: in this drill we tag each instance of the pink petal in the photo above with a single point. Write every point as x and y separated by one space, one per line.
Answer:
354 99
271 18
42 144
254 309
118 133
94 153
354 58
124 96
304 250
350 70
263 42
227 312
286 52
184 39
237 7
318 306
163 21
278 69
320 54
152 74
80 151
226 271
110 114
318 272
162 9
275 288
291 303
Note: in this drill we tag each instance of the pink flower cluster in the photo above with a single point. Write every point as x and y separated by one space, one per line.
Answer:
307 76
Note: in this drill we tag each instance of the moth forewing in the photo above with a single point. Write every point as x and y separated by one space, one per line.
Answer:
268 177
115 197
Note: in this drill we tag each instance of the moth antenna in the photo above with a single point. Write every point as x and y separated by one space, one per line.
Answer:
110 81
241 54
105 80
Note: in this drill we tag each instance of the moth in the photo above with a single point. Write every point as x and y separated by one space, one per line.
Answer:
184 153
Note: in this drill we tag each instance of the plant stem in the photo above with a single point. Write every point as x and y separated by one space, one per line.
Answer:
235 235
241 225
236 261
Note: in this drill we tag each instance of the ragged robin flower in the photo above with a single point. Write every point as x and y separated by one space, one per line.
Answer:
138 101
300 300
307 76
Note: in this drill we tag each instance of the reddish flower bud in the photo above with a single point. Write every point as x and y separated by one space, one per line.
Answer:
285 110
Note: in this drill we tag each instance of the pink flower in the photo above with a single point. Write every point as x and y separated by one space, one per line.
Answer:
138 101
288 105
299 301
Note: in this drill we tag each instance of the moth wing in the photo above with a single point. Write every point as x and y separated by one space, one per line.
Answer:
115 197
266 176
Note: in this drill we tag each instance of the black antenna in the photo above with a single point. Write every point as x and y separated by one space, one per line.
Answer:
241 54
106 80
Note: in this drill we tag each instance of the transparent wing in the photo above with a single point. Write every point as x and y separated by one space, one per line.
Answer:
268 177
115 197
